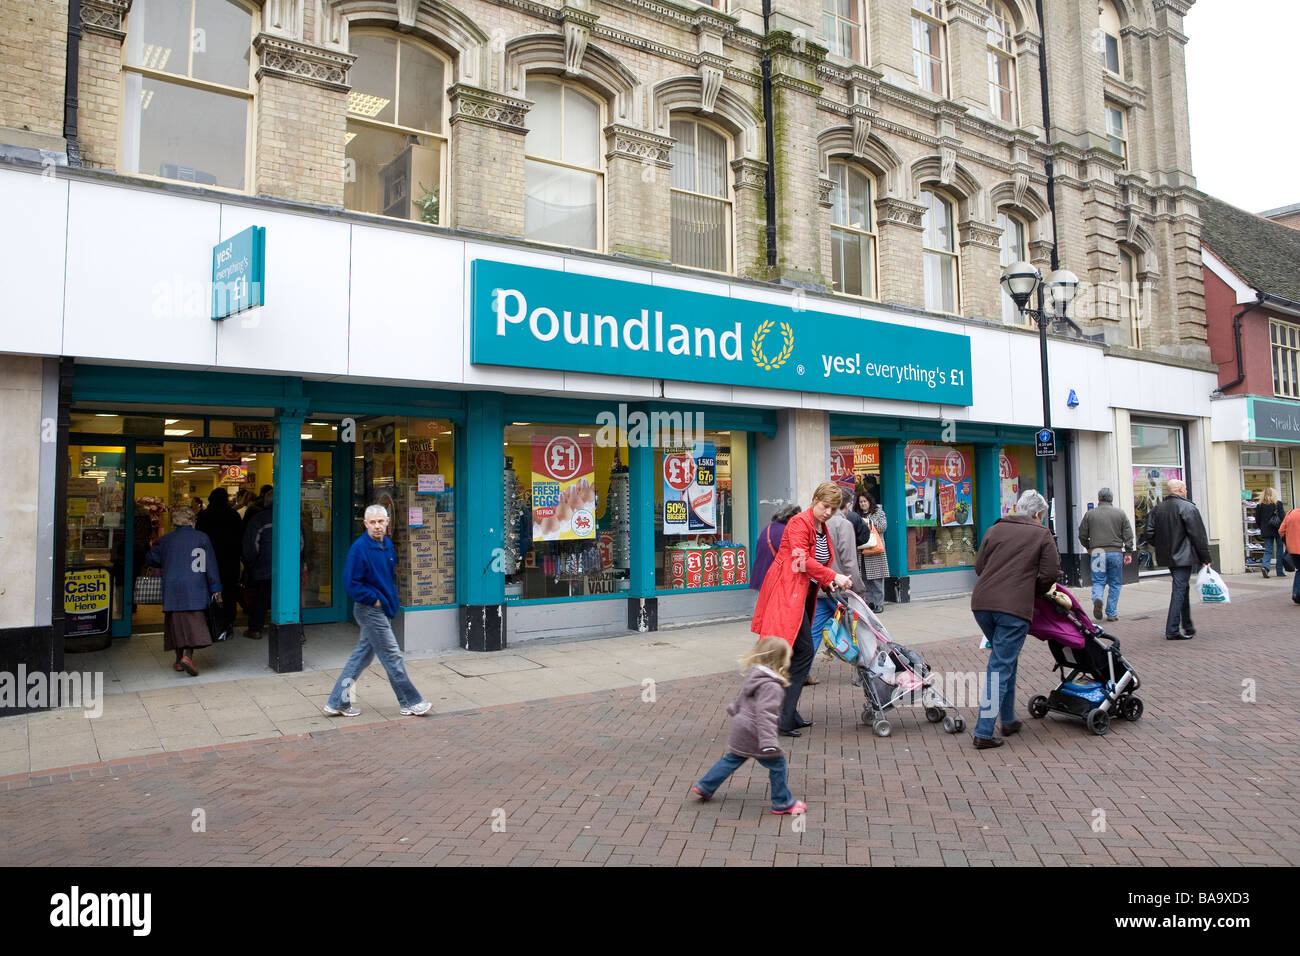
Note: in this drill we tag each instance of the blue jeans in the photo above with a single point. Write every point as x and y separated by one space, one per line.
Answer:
1180 604
782 799
1274 548
1108 572
1006 634
377 640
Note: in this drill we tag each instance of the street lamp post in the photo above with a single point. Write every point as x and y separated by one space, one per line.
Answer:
1021 279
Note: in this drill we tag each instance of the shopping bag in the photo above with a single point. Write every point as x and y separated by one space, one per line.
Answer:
148 590
213 614
840 635
1212 588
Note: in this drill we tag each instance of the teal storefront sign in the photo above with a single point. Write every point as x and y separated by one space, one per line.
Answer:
239 273
539 318
1274 421
149 468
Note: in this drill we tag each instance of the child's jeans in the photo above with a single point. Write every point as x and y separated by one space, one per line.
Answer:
782 799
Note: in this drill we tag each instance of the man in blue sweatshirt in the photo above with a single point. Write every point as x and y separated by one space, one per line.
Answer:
369 578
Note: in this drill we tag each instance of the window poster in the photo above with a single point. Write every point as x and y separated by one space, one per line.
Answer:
690 489
1009 475
939 486
563 488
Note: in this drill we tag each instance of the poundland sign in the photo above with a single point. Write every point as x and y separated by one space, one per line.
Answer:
539 318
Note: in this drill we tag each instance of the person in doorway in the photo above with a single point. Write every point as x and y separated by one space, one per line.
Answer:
1290 532
788 598
1176 530
1106 533
221 524
259 504
1268 518
1018 560
875 567
258 562
370 579
769 542
189 569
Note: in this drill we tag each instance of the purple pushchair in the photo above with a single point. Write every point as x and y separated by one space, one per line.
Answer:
1097 682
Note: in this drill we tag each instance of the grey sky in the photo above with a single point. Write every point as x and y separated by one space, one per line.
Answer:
1241 82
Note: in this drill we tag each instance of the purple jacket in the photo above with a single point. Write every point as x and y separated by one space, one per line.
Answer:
769 543
754 715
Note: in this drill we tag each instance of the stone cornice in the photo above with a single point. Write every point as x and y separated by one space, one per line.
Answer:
749 173
302 62
967 12
1126 94
824 188
784 82
469 104
974 233
899 212
639 145
105 17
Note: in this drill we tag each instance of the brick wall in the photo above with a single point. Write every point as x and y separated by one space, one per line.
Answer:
33 56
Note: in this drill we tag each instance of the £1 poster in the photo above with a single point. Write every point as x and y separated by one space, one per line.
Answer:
690 489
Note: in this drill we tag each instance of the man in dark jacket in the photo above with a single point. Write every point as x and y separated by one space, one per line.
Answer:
369 578
221 524
1106 533
1178 533
1018 560
258 562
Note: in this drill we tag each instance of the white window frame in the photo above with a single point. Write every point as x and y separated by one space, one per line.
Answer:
1000 38
1113 110
866 235
930 12
952 257
1284 346
187 79
1130 297
1006 256
599 170
832 18
1109 29
726 198
440 136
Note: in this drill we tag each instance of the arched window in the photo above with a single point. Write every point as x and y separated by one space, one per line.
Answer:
844 28
1130 298
1002 61
939 255
853 231
701 206
188 109
928 46
1111 53
396 150
1012 248
563 176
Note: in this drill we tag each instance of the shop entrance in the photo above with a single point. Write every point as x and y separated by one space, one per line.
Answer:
128 473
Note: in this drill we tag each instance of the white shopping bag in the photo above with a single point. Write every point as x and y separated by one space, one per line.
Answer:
1212 588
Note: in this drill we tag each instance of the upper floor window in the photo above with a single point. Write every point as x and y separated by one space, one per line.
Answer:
563 176
853 234
1116 137
1012 248
844 29
701 206
928 44
1109 37
188 110
1286 358
1002 61
396 150
1130 299
939 253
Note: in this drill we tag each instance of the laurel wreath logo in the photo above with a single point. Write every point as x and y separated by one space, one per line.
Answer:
756 346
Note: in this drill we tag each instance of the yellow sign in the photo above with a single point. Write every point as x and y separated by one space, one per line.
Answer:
86 600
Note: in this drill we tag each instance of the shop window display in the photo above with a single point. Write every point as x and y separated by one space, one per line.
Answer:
940 506
855 466
567 513
1017 473
406 465
1157 457
701 512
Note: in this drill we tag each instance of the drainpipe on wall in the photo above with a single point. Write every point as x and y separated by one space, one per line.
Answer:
70 83
1236 337
769 139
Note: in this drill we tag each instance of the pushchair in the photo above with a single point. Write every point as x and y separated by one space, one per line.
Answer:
890 674
1077 647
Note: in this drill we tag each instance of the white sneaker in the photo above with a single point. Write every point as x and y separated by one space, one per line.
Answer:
419 710
348 711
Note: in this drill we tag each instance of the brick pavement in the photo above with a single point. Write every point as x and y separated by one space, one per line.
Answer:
602 779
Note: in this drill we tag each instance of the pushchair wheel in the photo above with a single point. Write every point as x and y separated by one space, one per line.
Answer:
868 715
1038 706
949 725
934 714
1098 721
882 728
1130 708
958 724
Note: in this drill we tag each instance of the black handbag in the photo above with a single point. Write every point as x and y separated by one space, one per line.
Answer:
213 615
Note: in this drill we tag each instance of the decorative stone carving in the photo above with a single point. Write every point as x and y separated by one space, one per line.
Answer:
899 212
975 233
635 144
861 134
471 104
1021 186
406 11
947 164
577 30
710 86
824 189
104 17
749 173
303 62
283 18
331 26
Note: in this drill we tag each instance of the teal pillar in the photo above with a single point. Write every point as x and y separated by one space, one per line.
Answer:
480 480
286 525
893 498
641 475
988 488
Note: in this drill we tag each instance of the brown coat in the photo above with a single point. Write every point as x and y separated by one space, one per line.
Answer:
1017 562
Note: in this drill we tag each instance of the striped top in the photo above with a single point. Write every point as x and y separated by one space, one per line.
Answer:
823 549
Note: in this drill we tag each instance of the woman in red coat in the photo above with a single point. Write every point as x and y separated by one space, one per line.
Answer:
789 595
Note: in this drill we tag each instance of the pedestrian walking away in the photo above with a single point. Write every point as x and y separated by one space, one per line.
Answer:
190 581
788 599
754 718
1268 518
768 544
875 564
1018 561
1290 531
1105 532
1177 532
370 579
221 524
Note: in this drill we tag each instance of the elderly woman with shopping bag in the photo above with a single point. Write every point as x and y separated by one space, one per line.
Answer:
190 581
788 599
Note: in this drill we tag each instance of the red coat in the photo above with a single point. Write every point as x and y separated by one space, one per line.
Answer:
779 612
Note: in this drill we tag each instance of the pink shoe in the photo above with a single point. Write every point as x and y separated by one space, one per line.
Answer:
797 807
701 794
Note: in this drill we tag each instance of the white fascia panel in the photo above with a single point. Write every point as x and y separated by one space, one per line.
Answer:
34 258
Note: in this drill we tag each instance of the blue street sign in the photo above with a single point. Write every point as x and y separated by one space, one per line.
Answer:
239 273
1045 443
1073 400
